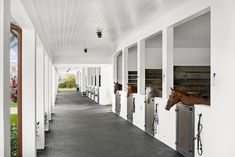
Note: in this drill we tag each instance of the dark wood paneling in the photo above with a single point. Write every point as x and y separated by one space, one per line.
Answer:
153 77
192 79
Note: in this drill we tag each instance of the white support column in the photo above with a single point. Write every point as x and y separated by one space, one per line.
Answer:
97 76
167 60
40 96
124 69
141 67
29 93
53 89
46 92
115 69
88 76
50 89
83 82
4 78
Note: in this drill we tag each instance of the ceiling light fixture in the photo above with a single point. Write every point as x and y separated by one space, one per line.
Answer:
99 32
85 50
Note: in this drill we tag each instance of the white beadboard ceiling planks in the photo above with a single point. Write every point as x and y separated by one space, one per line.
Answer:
66 27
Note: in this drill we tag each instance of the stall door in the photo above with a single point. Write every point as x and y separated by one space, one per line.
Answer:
118 105
149 117
185 130
130 109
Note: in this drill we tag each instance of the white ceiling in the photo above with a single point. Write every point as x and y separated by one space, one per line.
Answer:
66 27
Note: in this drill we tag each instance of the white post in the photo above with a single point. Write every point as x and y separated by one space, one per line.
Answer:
46 92
115 68
124 69
141 67
40 97
29 93
83 83
167 61
50 89
4 78
97 76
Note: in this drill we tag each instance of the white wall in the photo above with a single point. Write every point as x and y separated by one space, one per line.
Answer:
153 58
106 88
192 56
132 59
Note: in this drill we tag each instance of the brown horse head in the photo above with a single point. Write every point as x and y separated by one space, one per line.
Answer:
117 87
131 89
173 99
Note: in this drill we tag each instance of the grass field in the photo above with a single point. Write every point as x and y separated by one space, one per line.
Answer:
13 119
13 105
66 89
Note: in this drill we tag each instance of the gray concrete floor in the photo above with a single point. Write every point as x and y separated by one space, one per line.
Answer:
82 128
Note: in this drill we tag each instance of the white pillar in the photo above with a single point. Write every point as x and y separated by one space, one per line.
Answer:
4 78
83 82
40 97
141 67
50 88
115 68
97 76
167 61
46 92
124 69
29 93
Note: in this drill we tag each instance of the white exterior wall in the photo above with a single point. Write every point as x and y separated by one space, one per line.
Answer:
4 78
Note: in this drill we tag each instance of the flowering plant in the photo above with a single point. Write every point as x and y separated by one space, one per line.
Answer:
13 89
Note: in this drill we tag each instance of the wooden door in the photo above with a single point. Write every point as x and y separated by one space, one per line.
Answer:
185 130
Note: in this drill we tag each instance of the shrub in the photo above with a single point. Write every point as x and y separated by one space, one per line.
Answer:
13 140
13 89
69 81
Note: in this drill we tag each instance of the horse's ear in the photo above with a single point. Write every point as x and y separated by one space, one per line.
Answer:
172 89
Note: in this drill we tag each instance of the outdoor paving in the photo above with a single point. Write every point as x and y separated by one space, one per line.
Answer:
83 128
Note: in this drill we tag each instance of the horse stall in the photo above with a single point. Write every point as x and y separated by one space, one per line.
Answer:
132 82
153 80
119 81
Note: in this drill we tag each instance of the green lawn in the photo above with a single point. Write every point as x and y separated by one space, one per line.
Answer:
66 89
13 105
13 119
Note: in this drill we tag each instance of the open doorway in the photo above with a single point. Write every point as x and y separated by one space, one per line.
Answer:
16 90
